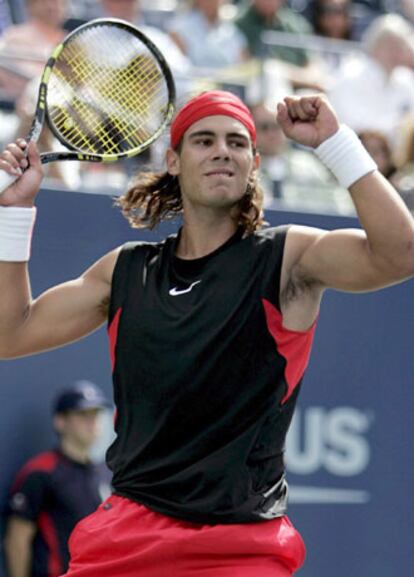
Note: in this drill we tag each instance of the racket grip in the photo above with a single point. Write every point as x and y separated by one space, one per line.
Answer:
6 180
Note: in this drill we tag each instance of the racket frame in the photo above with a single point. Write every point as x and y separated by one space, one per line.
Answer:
42 115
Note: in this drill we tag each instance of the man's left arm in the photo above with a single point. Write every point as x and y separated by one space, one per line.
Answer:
350 259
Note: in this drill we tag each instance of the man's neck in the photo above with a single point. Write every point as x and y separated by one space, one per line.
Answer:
199 239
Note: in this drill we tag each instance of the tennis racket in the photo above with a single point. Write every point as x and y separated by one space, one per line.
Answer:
106 93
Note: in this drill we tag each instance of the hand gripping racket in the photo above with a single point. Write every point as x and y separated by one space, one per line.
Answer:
106 93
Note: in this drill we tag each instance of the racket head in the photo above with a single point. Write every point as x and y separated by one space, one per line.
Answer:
108 92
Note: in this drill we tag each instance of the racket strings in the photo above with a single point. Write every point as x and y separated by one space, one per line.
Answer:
107 98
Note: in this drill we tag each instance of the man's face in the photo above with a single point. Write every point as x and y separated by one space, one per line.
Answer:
215 162
79 427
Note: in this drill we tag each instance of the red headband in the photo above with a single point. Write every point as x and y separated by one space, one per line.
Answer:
214 102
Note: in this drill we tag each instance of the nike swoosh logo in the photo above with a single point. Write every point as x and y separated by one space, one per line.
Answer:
175 292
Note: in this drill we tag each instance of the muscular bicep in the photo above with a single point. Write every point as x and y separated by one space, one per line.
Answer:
339 259
66 312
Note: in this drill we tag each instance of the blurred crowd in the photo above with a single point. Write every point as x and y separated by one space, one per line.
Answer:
359 52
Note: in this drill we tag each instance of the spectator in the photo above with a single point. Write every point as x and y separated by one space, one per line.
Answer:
207 39
54 490
380 149
293 176
294 64
403 178
271 144
374 91
332 19
131 11
64 174
272 15
112 177
27 46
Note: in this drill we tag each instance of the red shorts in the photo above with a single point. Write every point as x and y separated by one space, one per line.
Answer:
125 539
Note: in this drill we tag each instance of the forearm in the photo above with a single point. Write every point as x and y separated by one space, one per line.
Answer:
16 225
388 225
19 562
16 295
18 554
387 222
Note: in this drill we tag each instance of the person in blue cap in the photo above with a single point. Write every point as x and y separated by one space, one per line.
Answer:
56 489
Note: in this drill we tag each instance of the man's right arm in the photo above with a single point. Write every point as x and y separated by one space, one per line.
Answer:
62 314
18 546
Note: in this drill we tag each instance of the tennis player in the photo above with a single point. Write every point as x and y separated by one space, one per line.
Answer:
210 333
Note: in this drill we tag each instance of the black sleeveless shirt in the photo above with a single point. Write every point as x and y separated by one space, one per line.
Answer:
205 379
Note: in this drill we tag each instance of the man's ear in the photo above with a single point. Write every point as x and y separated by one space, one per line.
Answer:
59 423
257 161
256 164
173 162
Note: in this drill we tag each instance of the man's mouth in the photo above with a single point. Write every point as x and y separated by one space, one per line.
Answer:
223 172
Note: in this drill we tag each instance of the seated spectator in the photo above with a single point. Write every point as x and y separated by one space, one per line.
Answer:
271 145
63 174
207 39
112 177
261 16
332 19
131 11
293 177
374 91
27 46
380 149
272 15
403 178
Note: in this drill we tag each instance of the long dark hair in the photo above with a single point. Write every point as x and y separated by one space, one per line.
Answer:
154 197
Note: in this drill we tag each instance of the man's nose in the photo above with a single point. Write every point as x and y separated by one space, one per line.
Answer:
221 149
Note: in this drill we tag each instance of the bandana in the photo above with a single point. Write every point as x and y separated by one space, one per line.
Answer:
214 102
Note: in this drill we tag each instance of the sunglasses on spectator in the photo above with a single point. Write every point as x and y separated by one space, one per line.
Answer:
266 126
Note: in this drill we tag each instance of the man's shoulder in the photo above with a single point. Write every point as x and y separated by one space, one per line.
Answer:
147 245
45 461
42 464
271 233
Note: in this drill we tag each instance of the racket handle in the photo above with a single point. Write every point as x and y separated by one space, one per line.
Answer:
6 180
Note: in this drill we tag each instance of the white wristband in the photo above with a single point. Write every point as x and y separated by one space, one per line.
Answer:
345 156
16 227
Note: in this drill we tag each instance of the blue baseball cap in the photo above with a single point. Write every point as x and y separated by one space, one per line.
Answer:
82 395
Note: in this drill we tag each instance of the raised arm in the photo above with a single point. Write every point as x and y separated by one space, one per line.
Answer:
380 254
60 315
